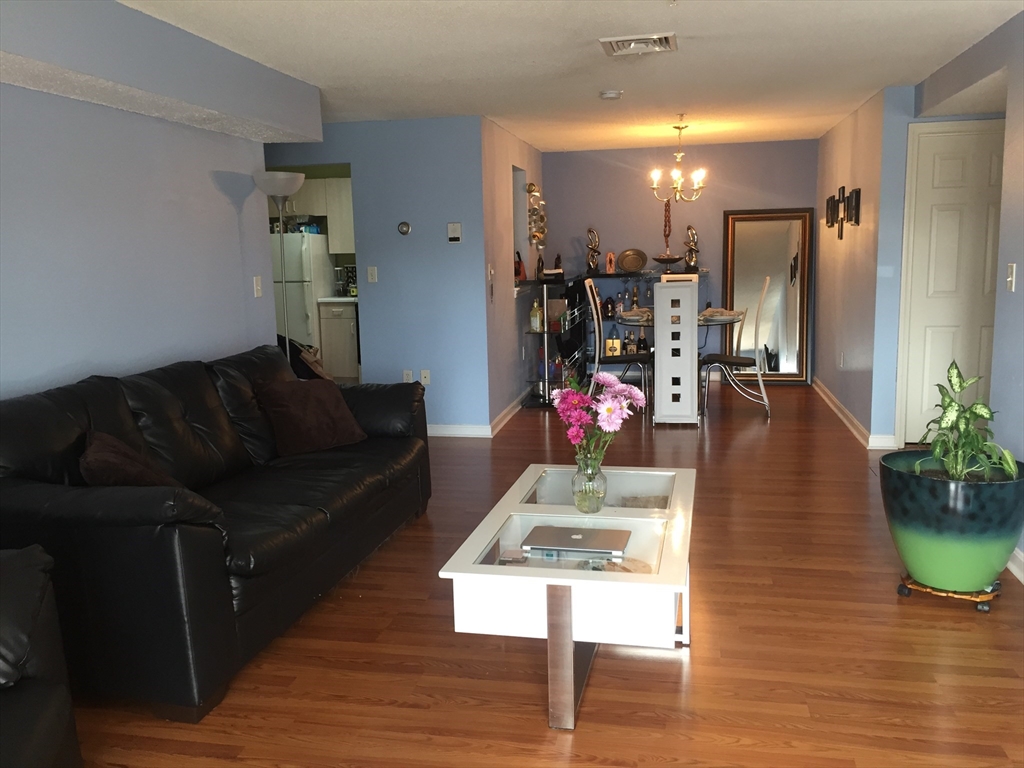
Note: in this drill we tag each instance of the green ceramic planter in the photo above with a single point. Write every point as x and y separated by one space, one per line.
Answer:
950 535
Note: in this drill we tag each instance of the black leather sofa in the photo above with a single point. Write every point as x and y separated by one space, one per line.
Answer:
164 593
37 720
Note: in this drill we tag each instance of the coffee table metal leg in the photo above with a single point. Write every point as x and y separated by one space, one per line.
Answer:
568 662
683 628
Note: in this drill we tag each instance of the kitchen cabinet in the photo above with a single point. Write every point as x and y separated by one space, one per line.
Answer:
340 227
310 200
339 341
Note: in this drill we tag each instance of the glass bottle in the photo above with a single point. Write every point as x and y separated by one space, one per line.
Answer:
536 317
642 346
630 344
612 344
636 297
619 304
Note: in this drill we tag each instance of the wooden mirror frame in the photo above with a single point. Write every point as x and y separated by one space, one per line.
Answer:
806 218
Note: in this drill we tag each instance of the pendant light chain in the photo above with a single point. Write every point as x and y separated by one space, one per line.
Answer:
667 231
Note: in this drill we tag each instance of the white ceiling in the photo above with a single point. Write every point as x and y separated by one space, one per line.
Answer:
746 70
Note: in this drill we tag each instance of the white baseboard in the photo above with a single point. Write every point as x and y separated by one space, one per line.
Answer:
1016 564
882 443
844 415
458 430
502 418
478 430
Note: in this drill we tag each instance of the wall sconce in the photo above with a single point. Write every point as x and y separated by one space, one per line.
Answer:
842 207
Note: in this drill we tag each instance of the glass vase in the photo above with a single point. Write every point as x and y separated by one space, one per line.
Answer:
589 485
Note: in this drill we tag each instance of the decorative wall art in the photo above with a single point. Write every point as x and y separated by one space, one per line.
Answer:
843 208
537 221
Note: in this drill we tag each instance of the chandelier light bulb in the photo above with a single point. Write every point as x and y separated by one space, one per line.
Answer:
678 193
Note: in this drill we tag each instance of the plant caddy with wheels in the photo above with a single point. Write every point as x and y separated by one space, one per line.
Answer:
955 512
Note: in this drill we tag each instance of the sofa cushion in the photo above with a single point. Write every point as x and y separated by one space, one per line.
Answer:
185 424
44 435
109 461
308 416
262 537
237 378
389 457
339 492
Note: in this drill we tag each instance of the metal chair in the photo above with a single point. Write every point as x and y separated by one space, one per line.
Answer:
726 363
643 361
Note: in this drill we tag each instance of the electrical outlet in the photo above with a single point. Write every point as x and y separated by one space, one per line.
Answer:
424 377
371 274
407 377
257 286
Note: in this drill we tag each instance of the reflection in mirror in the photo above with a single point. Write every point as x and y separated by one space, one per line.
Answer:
776 244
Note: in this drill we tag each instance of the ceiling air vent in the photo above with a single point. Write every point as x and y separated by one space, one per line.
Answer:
636 44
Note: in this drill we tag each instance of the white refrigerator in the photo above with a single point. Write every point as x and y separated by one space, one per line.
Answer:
307 275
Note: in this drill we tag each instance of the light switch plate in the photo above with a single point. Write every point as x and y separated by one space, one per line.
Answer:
257 286
371 274
1011 277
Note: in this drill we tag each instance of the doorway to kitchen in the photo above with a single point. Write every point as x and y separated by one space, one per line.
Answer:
317 270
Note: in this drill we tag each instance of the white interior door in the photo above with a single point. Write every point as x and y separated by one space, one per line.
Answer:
954 185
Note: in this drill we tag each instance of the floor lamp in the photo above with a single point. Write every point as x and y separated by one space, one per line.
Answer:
279 186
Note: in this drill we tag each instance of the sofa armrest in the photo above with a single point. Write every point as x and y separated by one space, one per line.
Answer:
388 410
29 633
27 503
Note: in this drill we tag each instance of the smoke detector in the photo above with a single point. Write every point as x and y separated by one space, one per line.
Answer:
637 44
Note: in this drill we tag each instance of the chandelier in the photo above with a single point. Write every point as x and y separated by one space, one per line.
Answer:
697 177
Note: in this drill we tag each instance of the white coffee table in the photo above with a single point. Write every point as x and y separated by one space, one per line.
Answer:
577 600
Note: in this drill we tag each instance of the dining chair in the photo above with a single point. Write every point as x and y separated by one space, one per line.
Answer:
643 361
726 363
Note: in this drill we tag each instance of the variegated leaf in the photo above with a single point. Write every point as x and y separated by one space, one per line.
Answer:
956 379
970 381
981 411
963 423
949 415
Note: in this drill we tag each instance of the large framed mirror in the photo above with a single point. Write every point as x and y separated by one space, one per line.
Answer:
774 244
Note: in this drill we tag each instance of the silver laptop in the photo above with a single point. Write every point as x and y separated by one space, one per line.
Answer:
601 541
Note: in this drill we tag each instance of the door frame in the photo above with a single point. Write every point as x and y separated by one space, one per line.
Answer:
914 134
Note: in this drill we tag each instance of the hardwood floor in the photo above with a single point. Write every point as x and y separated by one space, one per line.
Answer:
802 654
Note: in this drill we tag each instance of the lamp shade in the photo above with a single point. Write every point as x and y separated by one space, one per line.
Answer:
278 183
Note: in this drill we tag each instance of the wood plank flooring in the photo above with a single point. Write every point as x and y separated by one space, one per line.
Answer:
803 655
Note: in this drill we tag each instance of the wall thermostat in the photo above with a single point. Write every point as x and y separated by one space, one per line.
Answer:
454 232
404 228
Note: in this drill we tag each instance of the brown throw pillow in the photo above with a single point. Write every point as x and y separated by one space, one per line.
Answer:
308 416
109 461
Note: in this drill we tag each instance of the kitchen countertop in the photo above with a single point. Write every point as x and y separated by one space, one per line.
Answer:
338 300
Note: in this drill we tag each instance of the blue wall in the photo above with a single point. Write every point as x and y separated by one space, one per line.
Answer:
427 309
125 242
609 190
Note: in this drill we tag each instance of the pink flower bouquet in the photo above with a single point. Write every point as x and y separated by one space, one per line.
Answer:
594 421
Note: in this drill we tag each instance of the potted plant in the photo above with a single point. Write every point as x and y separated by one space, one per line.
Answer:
955 512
